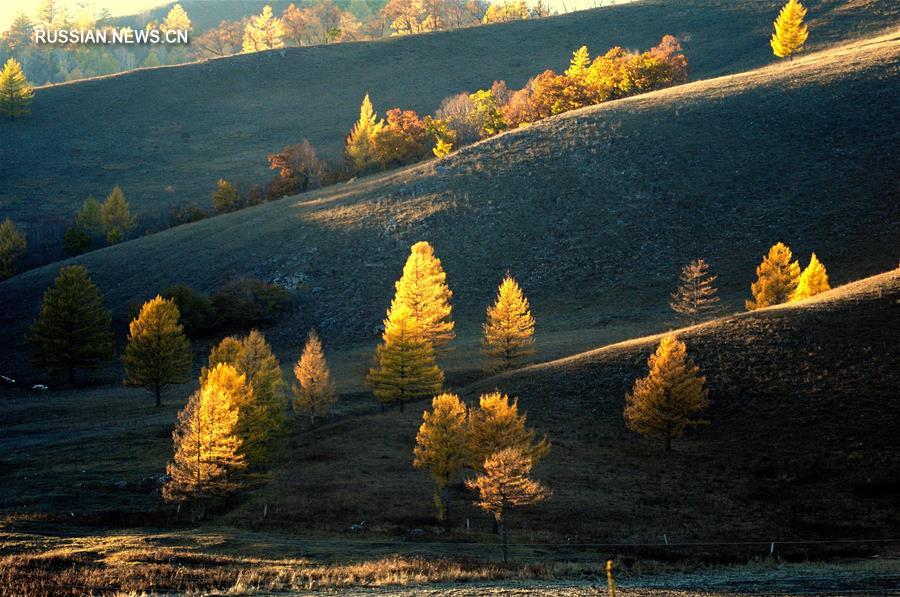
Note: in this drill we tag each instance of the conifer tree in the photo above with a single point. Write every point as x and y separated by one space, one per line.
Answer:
207 448
157 354
261 412
15 92
176 20
504 483
423 288
509 329
790 30
263 32
405 367
314 391
90 218
359 147
581 60
442 446
776 278
696 297
225 198
662 404
117 219
495 425
73 330
812 281
13 244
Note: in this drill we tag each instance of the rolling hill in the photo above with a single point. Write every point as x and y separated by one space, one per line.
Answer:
167 134
593 211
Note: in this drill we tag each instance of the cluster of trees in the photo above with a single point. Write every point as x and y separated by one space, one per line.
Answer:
405 138
493 442
110 221
73 331
301 24
419 326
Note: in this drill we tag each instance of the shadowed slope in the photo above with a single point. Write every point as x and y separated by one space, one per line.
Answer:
167 134
802 441
594 211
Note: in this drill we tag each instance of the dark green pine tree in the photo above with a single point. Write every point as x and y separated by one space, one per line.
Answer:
73 330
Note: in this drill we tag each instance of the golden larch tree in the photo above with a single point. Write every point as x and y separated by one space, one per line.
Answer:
496 424
263 32
812 281
509 329
261 412
664 403
314 393
442 447
359 147
176 20
790 30
423 289
15 92
405 367
696 298
158 353
73 331
504 483
116 214
581 61
207 447
776 278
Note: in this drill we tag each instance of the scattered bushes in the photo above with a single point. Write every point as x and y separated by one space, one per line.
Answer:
248 301
196 309
186 213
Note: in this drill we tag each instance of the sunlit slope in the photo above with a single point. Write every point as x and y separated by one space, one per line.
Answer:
594 212
166 135
802 441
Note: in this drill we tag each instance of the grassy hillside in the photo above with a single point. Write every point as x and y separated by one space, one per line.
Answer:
167 134
802 444
594 211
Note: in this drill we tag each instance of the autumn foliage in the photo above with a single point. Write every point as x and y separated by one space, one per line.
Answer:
442 446
509 329
313 392
207 446
776 278
664 404
790 30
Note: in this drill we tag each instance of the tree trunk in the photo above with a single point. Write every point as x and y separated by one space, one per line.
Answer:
445 498
503 534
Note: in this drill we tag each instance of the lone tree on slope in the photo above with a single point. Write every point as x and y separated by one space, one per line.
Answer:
662 404
696 297
790 30
158 353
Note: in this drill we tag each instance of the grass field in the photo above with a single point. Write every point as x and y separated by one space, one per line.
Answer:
166 135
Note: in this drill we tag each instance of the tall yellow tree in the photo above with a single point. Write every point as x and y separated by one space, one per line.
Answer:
496 424
359 147
509 329
261 412
158 353
790 30
263 32
663 404
405 367
504 483
776 278
207 448
423 289
314 391
116 214
581 61
442 447
15 92
812 281
176 20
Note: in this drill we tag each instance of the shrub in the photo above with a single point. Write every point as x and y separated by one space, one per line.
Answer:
186 213
280 187
299 162
197 312
403 139
76 241
249 301
458 112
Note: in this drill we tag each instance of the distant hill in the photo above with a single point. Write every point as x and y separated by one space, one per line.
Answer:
167 134
593 211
